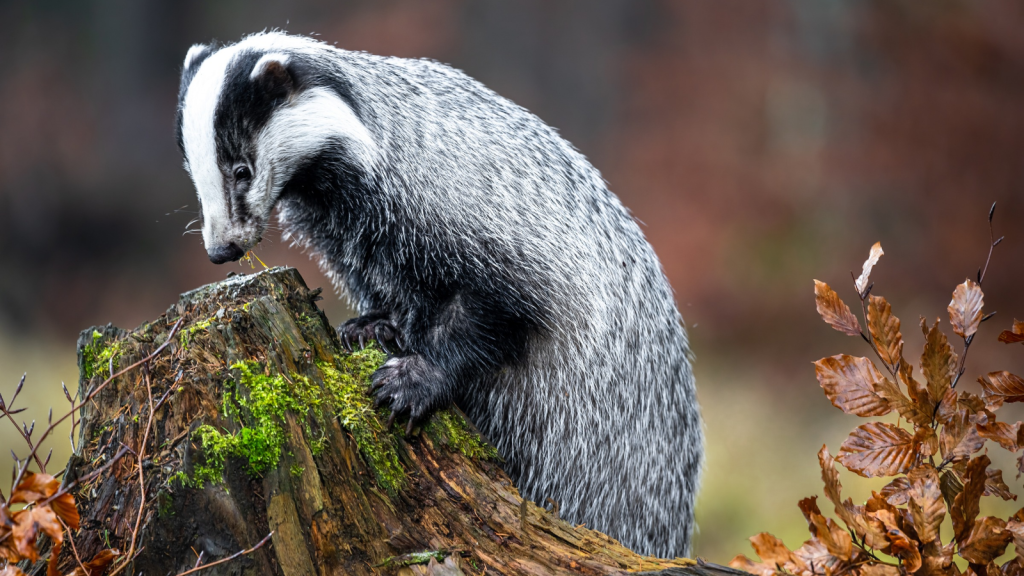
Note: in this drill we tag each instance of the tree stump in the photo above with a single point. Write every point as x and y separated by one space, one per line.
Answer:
259 421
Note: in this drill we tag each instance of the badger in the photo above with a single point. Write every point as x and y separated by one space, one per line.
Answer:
480 248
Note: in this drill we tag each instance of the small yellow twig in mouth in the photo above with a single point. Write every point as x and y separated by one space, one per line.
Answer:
248 258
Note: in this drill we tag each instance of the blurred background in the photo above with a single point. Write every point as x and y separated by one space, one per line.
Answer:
762 145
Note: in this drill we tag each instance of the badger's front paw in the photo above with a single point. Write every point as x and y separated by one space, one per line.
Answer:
371 327
410 385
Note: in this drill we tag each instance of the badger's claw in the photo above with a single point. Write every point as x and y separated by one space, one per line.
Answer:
411 386
370 327
384 332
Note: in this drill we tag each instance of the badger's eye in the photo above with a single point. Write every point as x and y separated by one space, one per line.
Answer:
242 173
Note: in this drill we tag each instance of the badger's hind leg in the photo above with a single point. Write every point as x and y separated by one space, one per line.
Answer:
374 326
411 386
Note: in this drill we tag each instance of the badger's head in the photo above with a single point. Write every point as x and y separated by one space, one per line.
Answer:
250 115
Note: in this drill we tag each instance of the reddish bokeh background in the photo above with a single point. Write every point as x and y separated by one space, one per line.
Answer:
762 144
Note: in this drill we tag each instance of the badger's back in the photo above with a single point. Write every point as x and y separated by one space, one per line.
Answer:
602 416
469 191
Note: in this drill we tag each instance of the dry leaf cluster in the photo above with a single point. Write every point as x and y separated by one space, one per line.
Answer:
933 452
39 506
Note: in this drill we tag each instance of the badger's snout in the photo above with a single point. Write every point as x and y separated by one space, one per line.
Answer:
226 253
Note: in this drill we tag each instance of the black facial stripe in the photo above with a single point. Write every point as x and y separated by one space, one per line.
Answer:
187 75
240 201
242 111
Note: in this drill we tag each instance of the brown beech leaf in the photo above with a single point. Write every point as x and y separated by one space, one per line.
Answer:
971 402
809 506
98 564
849 383
986 541
965 308
994 485
865 275
28 523
877 449
817 558
959 438
904 548
741 562
919 394
1016 528
967 504
833 490
875 529
938 361
927 508
926 443
830 476
1012 568
835 538
834 311
1000 432
37 487
950 486
34 488
948 406
879 570
7 550
897 492
916 412
885 330
1015 335
773 552
999 387
937 560
64 507
11 570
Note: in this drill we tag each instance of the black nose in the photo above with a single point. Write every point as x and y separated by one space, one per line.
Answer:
227 253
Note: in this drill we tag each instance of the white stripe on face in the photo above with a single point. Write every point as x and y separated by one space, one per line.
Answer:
201 146
299 131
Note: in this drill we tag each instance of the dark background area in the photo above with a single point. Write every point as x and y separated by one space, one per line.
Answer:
762 144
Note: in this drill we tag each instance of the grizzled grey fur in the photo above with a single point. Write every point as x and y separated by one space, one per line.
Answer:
477 244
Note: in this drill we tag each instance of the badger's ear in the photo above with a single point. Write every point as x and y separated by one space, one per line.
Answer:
273 73
196 54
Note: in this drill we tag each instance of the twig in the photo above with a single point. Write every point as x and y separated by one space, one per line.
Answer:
229 558
871 342
90 395
71 485
74 550
142 479
993 242
6 412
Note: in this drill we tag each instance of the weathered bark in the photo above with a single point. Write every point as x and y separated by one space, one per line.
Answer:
342 496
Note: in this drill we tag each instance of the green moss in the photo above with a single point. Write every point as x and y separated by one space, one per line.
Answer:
347 393
297 470
309 322
187 333
96 358
260 402
179 477
450 428
164 504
